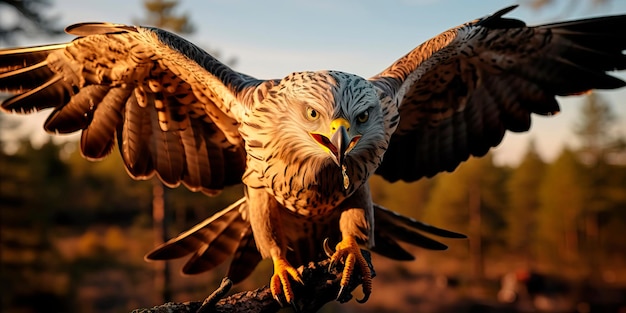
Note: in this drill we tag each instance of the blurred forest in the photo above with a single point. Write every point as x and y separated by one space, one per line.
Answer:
73 233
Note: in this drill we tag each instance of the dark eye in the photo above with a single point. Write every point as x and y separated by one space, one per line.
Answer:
312 114
363 117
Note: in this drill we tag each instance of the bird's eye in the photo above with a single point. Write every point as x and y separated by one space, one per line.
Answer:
363 117
312 114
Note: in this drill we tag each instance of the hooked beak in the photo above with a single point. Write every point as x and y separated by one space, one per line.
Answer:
340 143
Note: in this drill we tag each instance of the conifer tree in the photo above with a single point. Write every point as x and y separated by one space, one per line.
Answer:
561 196
31 22
160 13
522 190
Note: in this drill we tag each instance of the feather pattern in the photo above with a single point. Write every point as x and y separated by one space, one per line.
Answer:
229 233
305 145
171 106
167 151
78 112
246 257
460 91
133 139
41 97
97 140
210 242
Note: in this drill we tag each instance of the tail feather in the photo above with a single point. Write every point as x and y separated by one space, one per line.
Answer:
391 227
390 248
246 258
227 233
211 242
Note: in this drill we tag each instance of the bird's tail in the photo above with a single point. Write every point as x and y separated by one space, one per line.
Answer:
391 227
227 234
212 241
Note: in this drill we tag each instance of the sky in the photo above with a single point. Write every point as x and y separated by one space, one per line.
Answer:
273 38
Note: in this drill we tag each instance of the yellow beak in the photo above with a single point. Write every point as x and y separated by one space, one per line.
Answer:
340 142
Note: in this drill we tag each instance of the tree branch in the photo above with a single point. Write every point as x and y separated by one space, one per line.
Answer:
321 285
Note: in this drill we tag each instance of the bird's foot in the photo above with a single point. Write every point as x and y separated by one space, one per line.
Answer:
348 252
280 283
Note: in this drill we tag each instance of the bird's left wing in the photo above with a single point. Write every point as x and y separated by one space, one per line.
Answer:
460 91
173 109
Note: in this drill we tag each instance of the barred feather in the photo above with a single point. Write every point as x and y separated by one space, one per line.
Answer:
178 112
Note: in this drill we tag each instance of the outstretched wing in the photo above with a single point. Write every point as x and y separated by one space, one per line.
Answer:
460 91
173 109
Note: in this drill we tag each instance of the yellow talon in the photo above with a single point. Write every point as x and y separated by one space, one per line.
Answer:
348 250
279 284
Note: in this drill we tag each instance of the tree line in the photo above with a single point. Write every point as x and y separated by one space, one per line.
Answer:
67 222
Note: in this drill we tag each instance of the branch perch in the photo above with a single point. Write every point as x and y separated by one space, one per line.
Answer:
321 285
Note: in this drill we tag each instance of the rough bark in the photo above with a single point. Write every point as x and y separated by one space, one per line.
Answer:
321 285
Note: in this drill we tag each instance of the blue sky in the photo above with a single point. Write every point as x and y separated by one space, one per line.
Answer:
272 38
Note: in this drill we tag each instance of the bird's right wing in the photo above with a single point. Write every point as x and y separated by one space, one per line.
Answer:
459 92
173 108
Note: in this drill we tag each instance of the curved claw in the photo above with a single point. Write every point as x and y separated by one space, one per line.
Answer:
342 296
277 299
366 297
280 282
327 249
349 253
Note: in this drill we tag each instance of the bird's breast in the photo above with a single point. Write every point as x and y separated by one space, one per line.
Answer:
311 192
306 184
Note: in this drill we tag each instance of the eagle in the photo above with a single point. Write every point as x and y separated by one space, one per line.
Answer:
304 146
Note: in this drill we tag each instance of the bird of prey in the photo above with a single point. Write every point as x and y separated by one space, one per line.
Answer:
304 146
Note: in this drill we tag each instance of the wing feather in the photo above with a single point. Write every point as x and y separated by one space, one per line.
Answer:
459 92
167 151
98 138
18 58
173 108
133 139
45 96
27 77
205 165
78 112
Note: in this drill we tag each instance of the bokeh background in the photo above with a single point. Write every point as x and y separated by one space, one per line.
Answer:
545 211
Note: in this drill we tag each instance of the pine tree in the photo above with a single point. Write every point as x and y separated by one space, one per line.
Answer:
469 201
406 198
160 13
561 196
595 132
594 128
32 21
523 201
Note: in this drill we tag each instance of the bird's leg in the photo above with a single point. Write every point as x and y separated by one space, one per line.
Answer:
349 253
283 272
267 227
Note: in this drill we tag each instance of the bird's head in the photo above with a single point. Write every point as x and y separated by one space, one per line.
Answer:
319 131
348 128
